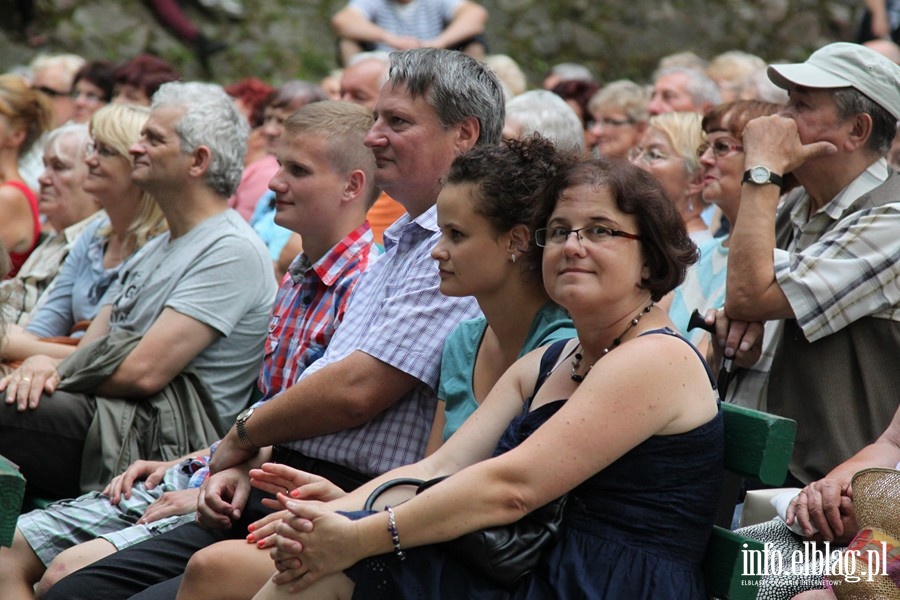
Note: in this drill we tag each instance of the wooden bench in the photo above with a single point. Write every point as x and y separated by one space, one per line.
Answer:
12 489
758 447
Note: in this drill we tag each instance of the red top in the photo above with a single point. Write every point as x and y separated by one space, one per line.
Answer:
18 258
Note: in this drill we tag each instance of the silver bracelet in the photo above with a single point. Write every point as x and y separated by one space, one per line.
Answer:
395 536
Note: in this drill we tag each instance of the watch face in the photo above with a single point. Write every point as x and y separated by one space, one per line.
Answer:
245 414
759 174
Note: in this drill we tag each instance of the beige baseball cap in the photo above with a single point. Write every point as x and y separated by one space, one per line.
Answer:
842 65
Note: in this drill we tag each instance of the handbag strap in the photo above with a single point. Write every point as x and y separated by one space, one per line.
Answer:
387 485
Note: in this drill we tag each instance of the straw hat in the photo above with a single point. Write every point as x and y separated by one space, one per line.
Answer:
876 548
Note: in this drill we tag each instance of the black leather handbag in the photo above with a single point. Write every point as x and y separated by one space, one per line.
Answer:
506 553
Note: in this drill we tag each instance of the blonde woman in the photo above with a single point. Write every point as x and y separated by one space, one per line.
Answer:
106 246
668 150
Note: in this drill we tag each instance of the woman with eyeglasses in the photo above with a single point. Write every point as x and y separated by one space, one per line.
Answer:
106 246
639 456
668 150
24 117
618 118
92 89
722 160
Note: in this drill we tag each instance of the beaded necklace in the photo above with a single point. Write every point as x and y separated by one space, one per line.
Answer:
576 362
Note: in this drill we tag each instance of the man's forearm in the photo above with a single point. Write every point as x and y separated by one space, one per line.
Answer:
469 22
751 268
353 25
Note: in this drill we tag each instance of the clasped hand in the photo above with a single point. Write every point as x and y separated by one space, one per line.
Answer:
25 385
297 505
311 542
826 505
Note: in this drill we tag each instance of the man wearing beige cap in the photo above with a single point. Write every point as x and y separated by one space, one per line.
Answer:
824 264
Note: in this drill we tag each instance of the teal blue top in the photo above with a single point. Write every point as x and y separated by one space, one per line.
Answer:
551 323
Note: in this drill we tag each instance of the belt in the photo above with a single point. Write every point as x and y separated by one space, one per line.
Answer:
345 478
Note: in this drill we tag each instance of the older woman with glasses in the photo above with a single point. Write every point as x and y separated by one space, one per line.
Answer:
668 150
722 160
104 248
618 117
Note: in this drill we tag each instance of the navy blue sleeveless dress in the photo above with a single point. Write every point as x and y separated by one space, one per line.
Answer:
637 529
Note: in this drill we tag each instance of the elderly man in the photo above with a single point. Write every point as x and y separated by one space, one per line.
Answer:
682 89
185 327
826 262
366 406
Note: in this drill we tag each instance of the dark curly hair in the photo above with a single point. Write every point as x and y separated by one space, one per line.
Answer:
511 178
100 73
665 243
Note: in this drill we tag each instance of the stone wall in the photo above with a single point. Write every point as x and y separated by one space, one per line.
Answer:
284 39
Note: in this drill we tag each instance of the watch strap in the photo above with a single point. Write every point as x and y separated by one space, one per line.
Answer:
774 178
240 426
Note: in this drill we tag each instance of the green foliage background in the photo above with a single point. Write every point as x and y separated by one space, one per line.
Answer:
284 39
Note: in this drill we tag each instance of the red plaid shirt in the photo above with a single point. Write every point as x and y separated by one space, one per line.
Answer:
309 306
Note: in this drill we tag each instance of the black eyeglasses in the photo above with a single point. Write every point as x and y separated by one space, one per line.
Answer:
51 92
593 234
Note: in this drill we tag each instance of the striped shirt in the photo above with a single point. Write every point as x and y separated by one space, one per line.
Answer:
309 306
843 265
421 19
397 315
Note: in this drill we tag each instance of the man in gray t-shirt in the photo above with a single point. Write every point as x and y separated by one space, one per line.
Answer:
200 298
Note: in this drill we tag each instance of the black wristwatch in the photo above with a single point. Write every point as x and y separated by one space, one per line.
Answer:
760 175
240 425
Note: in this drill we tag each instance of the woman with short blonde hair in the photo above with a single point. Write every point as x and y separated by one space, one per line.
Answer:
106 247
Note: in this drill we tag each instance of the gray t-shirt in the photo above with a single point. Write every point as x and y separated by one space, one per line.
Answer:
220 274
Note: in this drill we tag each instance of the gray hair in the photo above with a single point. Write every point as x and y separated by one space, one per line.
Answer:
78 131
295 94
850 101
702 89
571 72
375 55
625 95
69 63
378 55
456 86
546 113
758 86
210 119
